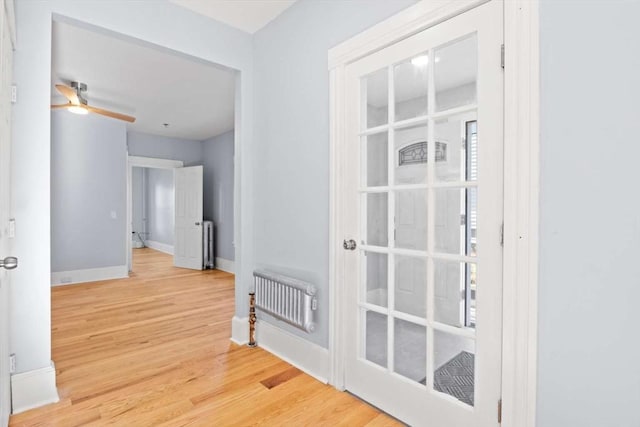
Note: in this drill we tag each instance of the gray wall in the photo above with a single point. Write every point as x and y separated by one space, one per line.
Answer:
589 291
291 156
161 147
160 203
218 163
88 186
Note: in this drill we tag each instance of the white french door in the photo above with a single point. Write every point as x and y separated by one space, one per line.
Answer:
423 205
188 188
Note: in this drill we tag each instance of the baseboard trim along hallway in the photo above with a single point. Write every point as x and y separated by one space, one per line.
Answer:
225 265
72 277
162 247
304 355
34 388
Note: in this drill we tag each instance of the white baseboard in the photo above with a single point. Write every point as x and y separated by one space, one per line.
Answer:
225 265
240 330
303 354
32 389
162 247
89 275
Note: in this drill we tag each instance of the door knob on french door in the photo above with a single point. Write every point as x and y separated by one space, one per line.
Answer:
349 245
9 263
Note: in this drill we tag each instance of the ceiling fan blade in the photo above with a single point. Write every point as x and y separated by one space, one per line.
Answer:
111 114
55 106
69 93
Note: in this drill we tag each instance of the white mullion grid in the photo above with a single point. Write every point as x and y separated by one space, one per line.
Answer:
410 318
453 330
419 254
374 130
408 187
391 221
414 121
431 163
453 257
361 289
453 111
367 306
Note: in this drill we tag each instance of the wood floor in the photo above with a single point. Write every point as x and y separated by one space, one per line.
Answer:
154 350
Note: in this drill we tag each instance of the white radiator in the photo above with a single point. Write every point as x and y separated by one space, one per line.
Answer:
286 298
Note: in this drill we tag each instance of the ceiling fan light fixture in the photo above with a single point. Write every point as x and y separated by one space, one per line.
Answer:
420 61
77 109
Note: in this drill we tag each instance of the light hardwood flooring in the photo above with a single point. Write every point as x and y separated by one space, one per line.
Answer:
154 350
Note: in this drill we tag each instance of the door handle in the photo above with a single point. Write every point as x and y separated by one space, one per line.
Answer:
197 223
349 245
9 263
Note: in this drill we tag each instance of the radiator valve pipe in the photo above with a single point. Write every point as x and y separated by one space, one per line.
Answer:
252 319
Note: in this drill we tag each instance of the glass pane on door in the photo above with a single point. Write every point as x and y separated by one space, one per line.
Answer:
456 221
375 348
410 290
376 274
410 87
411 150
455 293
454 366
411 219
375 165
456 73
409 352
376 90
376 219
456 137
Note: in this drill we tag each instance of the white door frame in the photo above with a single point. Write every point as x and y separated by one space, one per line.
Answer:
141 162
521 188
7 20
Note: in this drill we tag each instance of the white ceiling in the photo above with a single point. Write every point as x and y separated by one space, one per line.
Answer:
246 15
156 86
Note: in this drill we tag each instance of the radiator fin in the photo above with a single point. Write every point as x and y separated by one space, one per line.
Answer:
286 298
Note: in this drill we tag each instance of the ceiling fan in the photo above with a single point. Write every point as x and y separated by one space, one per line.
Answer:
78 104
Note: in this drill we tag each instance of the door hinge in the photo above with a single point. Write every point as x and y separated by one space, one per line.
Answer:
12 364
500 411
502 234
502 55
14 94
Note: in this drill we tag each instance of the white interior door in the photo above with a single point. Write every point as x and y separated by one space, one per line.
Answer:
423 200
6 68
188 217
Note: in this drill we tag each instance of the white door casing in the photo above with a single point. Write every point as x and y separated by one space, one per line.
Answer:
6 67
382 385
188 189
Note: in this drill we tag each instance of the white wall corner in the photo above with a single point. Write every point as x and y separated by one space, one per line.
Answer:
225 265
34 388
162 247
72 277
240 330
303 354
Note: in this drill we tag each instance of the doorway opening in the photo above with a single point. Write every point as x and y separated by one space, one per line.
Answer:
177 111
151 206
